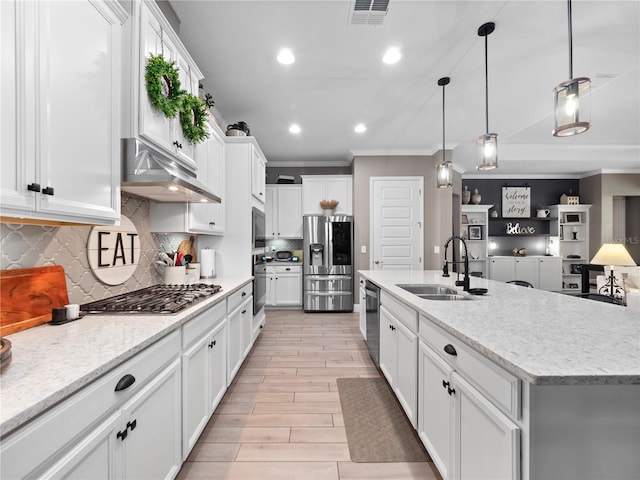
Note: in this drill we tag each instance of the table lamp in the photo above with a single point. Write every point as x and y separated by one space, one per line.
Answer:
612 254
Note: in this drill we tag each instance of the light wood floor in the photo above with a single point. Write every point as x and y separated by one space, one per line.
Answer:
281 418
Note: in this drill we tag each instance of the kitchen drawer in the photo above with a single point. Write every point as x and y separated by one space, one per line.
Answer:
401 311
328 283
235 299
288 269
499 385
61 426
198 326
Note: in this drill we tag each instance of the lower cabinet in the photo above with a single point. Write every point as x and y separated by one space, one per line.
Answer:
204 372
125 424
461 410
284 286
363 310
544 273
399 356
240 337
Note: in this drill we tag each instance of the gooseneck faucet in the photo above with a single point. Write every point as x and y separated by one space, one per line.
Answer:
445 268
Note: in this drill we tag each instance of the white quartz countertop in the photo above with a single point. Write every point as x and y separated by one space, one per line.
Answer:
49 363
542 337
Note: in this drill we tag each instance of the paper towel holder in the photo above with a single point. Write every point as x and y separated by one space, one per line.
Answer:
207 263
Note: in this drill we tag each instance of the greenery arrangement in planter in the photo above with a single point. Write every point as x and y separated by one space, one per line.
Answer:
193 114
163 85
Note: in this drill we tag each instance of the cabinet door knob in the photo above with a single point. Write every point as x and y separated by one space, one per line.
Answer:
47 190
125 382
33 187
132 425
450 349
212 223
445 384
123 434
451 391
177 144
244 311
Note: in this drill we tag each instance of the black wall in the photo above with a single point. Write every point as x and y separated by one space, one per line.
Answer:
543 192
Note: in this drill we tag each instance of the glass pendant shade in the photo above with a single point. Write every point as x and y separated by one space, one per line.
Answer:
572 107
444 174
487 151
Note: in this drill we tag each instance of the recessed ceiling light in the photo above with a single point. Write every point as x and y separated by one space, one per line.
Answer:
360 128
173 188
392 56
204 200
295 128
285 56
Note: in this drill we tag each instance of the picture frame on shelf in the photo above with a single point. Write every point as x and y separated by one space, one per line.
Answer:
575 217
475 232
464 219
561 232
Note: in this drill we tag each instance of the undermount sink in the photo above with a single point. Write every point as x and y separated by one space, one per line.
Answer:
427 289
446 296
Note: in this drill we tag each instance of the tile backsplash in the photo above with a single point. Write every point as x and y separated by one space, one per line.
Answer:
23 246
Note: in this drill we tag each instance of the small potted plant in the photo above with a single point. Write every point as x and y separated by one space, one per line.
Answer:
328 206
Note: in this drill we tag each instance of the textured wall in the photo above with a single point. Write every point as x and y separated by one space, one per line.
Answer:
24 246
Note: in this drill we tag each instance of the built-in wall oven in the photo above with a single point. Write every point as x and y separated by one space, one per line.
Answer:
258 262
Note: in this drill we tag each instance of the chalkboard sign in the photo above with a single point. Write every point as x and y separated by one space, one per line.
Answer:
516 202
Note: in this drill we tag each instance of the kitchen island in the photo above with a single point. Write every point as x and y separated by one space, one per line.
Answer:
555 379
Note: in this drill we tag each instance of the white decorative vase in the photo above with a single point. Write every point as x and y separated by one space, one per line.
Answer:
466 195
327 212
475 199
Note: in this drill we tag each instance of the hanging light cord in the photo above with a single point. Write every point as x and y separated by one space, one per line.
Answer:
570 42
486 82
443 162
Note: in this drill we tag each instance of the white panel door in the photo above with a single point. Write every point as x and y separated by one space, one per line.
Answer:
396 223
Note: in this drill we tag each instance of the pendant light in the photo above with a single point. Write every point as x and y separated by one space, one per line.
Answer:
487 143
572 99
444 169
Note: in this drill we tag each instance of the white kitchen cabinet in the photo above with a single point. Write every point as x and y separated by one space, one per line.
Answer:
399 352
258 175
327 187
202 217
284 285
550 273
240 325
468 409
151 34
61 110
283 211
125 424
542 272
204 371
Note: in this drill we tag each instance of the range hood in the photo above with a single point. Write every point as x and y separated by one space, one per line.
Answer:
150 173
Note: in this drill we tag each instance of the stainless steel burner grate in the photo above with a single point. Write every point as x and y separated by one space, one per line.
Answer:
158 299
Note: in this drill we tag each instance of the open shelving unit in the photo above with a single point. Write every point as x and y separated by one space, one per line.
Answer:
570 240
475 232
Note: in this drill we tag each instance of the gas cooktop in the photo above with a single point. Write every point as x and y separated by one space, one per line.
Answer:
157 299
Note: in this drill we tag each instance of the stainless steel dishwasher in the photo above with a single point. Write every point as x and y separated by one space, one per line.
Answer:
372 304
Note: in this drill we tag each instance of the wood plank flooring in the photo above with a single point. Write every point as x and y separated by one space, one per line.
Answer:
281 418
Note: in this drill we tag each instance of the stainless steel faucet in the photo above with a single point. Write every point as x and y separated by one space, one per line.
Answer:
445 268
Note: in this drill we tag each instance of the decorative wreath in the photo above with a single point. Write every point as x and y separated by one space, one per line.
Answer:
192 117
163 85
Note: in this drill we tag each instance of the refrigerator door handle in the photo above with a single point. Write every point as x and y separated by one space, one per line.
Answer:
328 232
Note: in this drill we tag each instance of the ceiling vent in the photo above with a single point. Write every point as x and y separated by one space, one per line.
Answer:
369 12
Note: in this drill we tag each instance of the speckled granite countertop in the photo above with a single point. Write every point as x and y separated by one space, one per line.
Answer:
542 337
50 363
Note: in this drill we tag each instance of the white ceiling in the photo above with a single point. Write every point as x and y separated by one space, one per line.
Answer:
338 79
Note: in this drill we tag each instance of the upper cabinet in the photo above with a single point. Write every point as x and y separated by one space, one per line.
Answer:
283 211
326 187
258 175
149 34
207 217
61 110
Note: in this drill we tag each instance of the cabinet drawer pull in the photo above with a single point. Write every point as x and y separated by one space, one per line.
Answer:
445 384
177 144
47 190
33 187
244 294
125 382
450 349
132 425
123 434
451 391
244 311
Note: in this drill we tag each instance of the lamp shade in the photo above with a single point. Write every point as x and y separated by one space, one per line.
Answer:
613 254
444 174
572 107
487 151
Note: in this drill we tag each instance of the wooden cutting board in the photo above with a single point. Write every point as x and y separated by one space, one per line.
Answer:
28 295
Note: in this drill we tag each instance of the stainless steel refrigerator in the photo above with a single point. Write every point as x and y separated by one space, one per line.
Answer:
328 263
